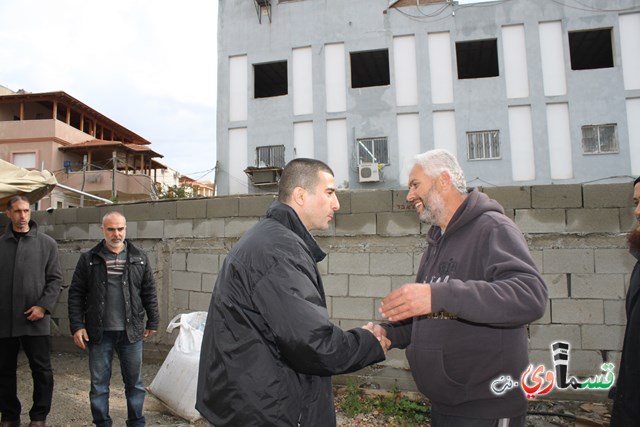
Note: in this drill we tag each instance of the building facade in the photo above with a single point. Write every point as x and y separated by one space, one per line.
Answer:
524 92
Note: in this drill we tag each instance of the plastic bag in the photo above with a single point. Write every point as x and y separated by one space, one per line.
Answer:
177 379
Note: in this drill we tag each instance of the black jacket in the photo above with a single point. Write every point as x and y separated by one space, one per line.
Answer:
29 275
269 349
88 290
626 405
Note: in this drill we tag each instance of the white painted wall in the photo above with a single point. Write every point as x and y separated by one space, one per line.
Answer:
302 81
238 180
335 77
523 166
303 144
552 58
408 144
338 152
440 68
630 50
633 120
515 61
405 70
238 88
559 137
444 131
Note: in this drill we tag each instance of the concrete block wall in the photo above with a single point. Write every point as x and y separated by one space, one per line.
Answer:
576 234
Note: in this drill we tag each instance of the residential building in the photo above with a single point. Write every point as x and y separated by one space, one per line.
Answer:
523 92
79 145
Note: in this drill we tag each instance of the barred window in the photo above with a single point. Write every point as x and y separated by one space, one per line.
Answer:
373 150
483 145
270 156
598 139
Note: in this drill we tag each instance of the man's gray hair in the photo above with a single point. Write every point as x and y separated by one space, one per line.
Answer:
434 162
113 213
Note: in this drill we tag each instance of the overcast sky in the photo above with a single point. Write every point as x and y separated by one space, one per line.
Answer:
149 65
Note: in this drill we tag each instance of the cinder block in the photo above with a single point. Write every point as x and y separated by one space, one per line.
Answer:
371 201
557 285
209 282
614 261
222 207
95 231
336 285
344 198
556 196
179 261
577 311
399 201
150 229
593 220
202 263
199 301
602 337
369 286
77 232
68 260
541 357
543 336
255 205
186 280
541 220
597 286
210 227
397 224
161 210
618 195
355 224
585 363
178 228
579 261
191 208
89 215
398 281
417 257
66 216
347 263
614 313
181 299
546 317
391 263
353 308
323 267
236 227
510 197
628 219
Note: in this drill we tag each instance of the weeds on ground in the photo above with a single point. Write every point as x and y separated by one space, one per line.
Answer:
395 408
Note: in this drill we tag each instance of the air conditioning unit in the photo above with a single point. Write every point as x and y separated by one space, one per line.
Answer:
368 172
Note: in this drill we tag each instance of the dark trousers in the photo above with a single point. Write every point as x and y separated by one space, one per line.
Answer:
441 420
38 351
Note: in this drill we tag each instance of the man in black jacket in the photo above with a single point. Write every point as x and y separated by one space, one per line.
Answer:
269 349
30 283
626 405
111 290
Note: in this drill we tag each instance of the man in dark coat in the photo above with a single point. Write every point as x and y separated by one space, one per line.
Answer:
269 349
626 404
30 283
111 291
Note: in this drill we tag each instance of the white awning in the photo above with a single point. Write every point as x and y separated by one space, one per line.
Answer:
33 184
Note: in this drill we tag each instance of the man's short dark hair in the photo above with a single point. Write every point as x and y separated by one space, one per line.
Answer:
14 199
300 173
636 181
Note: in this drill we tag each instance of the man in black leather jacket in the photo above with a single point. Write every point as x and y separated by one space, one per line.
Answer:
112 289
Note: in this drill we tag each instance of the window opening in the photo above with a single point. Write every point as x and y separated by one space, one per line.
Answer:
483 145
590 49
599 139
477 59
370 68
270 79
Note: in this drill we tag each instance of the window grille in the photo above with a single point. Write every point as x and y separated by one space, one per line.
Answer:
483 145
598 139
270 156
373 150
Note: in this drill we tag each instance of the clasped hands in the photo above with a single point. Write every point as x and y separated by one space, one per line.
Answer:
410 300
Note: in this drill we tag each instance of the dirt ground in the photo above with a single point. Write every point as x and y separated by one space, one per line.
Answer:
71 400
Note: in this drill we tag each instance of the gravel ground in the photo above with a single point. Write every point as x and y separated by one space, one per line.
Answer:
71 401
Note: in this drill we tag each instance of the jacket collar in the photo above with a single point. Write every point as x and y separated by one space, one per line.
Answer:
33 230
286 216
131 249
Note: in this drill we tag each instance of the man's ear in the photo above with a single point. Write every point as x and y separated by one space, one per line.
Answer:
299 195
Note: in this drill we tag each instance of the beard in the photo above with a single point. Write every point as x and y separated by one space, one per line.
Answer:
433 208
633 239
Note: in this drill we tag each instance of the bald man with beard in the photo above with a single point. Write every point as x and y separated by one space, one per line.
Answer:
626 395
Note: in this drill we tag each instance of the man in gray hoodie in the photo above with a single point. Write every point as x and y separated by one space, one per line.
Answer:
464 323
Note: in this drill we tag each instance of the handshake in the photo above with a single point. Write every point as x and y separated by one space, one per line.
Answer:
410 300
379 332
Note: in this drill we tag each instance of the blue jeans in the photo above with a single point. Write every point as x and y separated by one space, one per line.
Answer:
100 360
